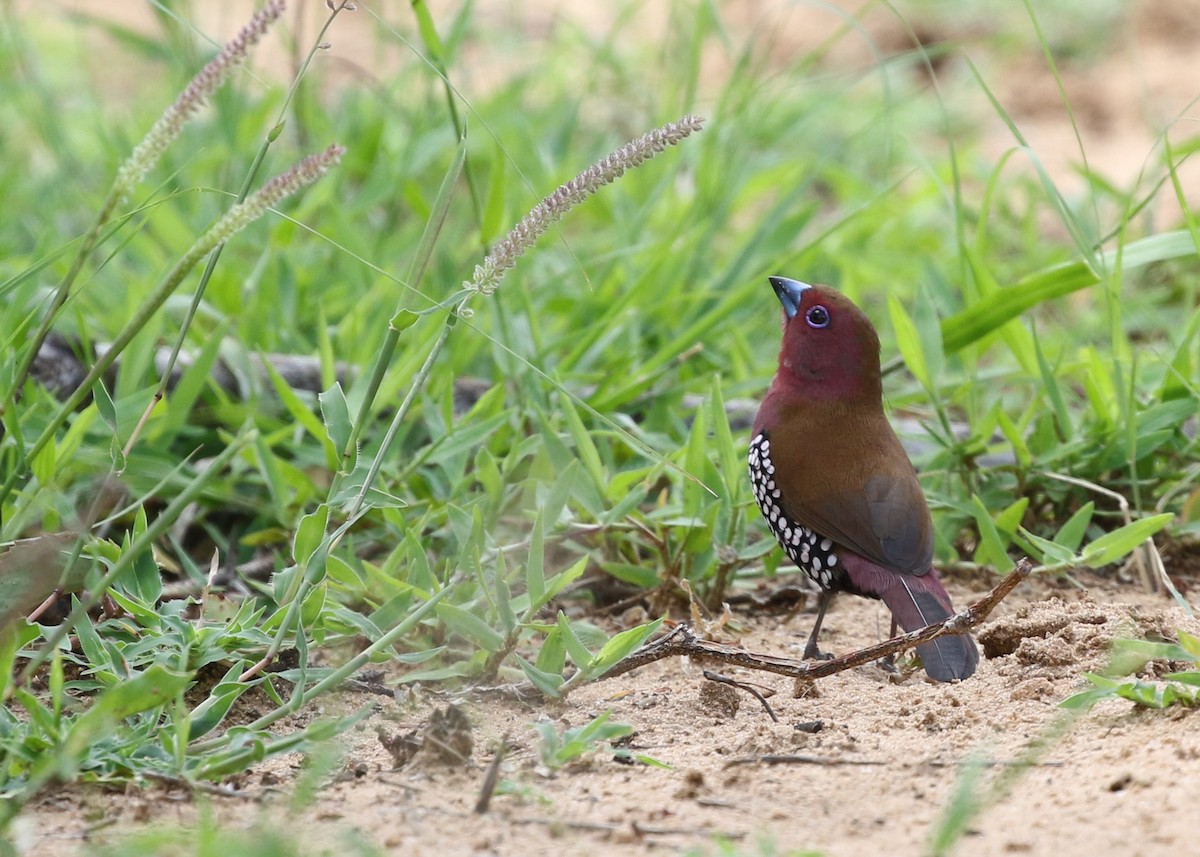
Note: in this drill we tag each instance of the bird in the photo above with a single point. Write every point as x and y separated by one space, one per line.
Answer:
835 485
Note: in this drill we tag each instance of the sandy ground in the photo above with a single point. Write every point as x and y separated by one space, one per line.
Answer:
877 776
874 779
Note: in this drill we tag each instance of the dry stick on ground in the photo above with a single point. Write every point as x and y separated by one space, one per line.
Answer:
640 830
792 759
741 685
682 642
492 778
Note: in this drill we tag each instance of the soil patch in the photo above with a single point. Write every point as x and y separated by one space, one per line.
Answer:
865 765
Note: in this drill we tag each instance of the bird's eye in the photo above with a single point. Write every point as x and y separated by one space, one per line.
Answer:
817 316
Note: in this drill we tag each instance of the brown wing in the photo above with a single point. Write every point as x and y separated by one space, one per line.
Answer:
858 489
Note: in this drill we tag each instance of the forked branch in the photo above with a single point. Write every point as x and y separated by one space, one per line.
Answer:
682 642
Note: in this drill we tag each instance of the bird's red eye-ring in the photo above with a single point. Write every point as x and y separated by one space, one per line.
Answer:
817 316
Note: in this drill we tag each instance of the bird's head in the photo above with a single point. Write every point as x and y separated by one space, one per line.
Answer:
830 349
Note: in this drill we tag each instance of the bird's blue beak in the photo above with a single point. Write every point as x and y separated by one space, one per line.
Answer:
789 293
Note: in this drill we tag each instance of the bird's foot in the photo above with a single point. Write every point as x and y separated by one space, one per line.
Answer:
812 653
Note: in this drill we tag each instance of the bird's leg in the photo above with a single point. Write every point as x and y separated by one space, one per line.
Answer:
889 663
811 650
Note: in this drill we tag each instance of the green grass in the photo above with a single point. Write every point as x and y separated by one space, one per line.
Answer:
1130 657
440 539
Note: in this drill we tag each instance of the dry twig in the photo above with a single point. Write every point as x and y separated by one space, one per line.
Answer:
492 778
681 641
749 688
793 759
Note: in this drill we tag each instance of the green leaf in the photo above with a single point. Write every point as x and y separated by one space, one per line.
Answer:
991 547
909 342
338 424
1152 650
696 463
392 611
209 714
1190 678
552 656
487 471
535 577
929 331
1008 520
643 576
466 438
579 654
990 312
1013 435
420 574
1190 644
468 625
310 534
504 607
44 464
98 658
560 492
1146 694
104 404
429 34
1049 553
1113 546
550 684
156 686
269 467
437 218
301 413
733 466
68 447
548 742
459 669
1062 418
584 739
1070 535
403 320
144 571
1101 389
494 207
584 445
560 581
1178 382
192 381
326 361
621 645
1086 699
642 758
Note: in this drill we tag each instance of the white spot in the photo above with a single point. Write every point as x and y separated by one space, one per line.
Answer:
826 544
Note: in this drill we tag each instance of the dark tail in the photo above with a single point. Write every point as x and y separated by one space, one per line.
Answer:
917 601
